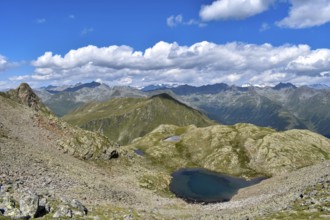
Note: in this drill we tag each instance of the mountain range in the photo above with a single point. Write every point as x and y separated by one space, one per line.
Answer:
62 100
281 107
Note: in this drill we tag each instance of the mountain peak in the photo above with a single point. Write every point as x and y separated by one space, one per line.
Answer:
164 96
284 86
26 96
81 85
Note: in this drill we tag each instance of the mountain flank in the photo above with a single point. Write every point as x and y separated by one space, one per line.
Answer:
75 141
41 168
125 119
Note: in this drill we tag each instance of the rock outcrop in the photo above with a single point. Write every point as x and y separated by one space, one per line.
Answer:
70 209
30 205
26 96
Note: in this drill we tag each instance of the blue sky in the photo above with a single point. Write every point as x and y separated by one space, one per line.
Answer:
141 42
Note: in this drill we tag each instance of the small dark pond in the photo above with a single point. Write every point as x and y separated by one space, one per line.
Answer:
173 139
139 152
202 186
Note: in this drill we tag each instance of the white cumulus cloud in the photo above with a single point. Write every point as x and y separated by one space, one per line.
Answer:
316 61
233 9
200 63
302 13
305 13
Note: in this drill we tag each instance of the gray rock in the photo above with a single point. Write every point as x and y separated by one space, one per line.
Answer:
63 211
29 204
70 209
15 213
43 204
78 208
8 206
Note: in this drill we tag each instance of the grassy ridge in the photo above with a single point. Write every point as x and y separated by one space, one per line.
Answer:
125 119
240 150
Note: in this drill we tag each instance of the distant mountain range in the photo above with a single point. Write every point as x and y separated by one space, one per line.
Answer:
62 100
284 106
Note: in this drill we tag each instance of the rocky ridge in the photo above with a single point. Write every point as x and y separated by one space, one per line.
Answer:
71 140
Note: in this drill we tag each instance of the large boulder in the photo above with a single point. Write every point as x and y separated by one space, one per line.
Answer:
29 204
78 209
63 211
9 207
70 209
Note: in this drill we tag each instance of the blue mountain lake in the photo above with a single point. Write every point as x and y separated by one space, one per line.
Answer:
202 186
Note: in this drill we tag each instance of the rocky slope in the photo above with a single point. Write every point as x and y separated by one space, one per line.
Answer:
125 119
39 171
309 105
236 106
75 141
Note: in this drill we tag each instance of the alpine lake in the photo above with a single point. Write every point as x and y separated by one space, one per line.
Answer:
197 185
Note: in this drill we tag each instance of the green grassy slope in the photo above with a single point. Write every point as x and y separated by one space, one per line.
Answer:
241 150
125 119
